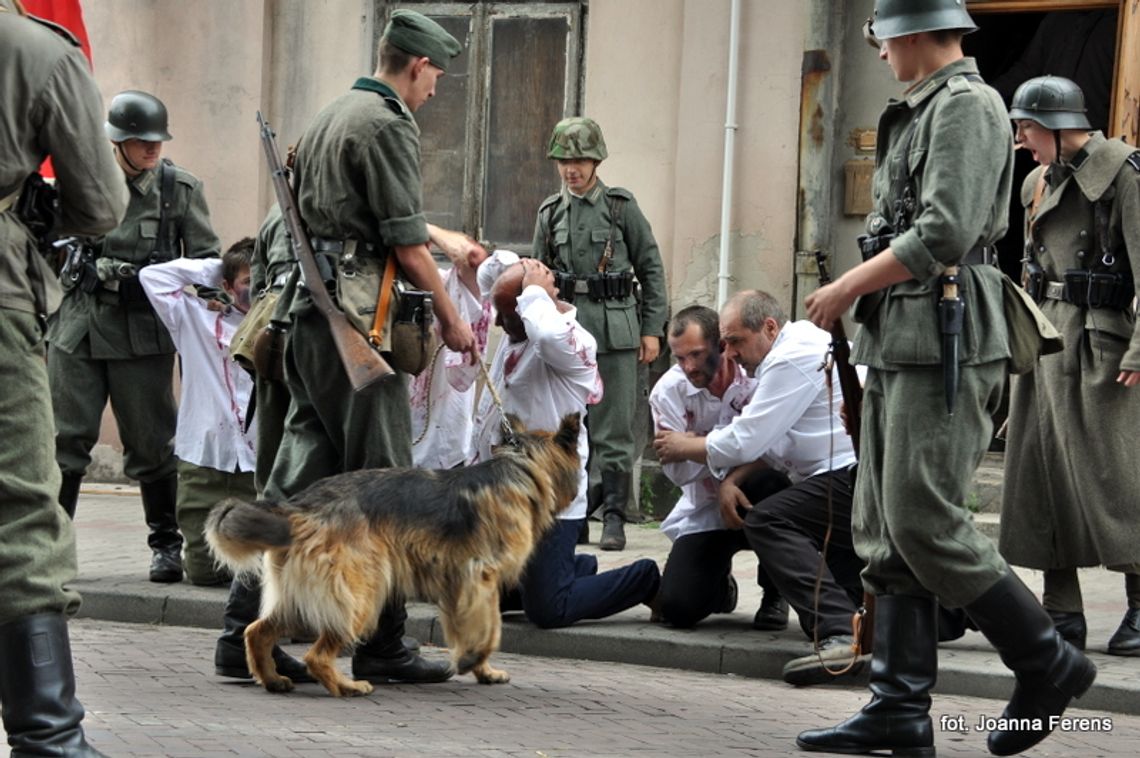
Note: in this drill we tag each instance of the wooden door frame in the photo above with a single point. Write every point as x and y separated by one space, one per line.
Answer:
1124 113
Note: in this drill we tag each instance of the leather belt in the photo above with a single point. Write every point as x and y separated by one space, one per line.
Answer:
980 255
325 245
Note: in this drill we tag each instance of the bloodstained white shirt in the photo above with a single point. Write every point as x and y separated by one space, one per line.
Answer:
680 406
215 390
552 373
792 422
443 395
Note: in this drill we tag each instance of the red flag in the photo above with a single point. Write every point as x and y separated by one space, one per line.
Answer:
69 15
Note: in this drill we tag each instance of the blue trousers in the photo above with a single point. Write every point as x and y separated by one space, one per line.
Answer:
559 588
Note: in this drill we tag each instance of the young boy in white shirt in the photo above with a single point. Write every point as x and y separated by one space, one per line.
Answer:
214 444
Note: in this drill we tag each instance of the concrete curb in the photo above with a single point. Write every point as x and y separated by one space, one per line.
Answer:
720 646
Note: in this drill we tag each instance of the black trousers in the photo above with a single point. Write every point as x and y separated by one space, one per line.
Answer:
695 581
787 529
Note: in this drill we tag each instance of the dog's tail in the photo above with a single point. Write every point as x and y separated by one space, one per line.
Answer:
239 532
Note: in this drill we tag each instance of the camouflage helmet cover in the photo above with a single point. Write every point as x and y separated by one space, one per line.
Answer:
136 115
896 18
1052 101
577 137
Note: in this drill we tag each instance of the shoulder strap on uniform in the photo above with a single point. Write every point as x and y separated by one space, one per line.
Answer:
60 30
166 172
1134 160
546 217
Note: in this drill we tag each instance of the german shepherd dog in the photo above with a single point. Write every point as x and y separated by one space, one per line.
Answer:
331 556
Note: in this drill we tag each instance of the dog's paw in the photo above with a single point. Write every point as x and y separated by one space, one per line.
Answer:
281 684
353 688
487 675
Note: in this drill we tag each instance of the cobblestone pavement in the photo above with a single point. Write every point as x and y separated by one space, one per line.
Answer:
150 691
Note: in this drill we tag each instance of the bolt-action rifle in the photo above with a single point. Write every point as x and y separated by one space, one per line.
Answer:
839 356
361 362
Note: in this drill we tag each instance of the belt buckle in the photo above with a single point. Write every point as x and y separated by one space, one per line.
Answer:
581 287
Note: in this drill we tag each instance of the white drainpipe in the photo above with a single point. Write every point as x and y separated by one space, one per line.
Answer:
722 274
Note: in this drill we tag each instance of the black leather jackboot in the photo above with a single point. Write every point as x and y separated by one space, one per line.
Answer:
1050 671
384 658
159 498
37 688
904 666
615 496
69 493
241 610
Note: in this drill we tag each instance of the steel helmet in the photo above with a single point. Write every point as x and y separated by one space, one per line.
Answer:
136 115
577 137
1052 101
895 18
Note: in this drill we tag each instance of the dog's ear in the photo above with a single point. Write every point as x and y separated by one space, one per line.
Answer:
567 434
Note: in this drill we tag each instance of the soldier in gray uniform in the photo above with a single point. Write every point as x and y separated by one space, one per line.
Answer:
944 163
49 106
272 264
1070 497
357 178
107 342
597 242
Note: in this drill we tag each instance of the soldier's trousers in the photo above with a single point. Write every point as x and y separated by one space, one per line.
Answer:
330 429
611 422
142 399
37 544
916 465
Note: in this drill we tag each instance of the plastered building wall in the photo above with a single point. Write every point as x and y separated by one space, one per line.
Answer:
655 78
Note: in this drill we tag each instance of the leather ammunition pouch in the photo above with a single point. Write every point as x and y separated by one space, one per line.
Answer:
599 286
1033 279
1088 289
871 245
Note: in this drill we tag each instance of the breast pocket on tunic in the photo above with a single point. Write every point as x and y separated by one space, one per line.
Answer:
598 238
560 247
147 240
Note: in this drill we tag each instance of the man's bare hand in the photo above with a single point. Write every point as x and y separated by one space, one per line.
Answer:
459 337
827 304
1129 378
675 447
650 349
460 249
732 501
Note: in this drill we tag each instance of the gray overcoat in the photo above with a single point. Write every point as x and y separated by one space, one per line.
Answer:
1071 494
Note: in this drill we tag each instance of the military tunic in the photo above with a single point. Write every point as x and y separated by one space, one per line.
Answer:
357 176
101 347
916 462
49 105
570 235
1071 487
